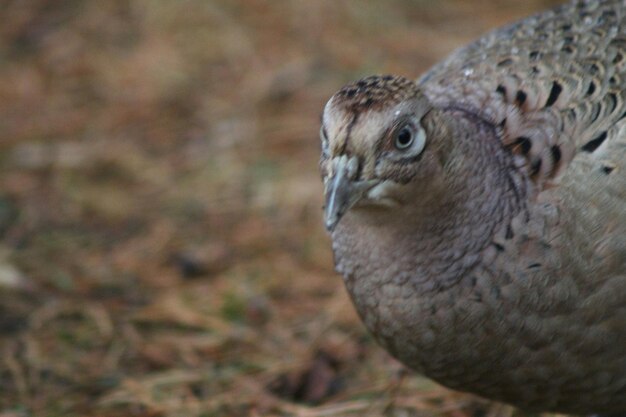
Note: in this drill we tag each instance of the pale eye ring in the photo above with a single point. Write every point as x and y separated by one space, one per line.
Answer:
404 138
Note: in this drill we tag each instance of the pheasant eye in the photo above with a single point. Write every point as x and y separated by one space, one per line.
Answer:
404 138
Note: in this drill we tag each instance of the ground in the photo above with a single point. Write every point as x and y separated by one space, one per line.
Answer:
162 250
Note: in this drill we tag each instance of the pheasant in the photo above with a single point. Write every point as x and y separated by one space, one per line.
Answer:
478 214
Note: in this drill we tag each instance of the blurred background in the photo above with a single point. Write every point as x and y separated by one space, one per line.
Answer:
161 245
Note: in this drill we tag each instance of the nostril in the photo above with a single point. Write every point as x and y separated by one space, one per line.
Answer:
353 168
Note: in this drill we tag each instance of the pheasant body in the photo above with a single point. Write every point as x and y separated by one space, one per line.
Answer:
478 216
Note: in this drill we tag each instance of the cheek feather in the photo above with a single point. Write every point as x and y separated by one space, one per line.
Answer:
383 194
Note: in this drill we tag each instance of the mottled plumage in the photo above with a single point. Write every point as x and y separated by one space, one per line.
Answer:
478 215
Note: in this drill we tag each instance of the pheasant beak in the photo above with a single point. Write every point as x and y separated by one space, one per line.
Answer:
342 191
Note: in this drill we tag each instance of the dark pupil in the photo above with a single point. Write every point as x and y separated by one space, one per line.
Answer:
404 137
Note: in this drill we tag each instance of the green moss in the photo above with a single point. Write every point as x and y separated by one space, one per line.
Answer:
233 307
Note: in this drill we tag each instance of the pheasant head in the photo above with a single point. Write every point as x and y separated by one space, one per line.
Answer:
383 146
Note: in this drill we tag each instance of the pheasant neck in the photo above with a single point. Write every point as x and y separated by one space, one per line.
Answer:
429 242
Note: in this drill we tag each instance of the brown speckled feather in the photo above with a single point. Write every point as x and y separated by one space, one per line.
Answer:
555 82
478 215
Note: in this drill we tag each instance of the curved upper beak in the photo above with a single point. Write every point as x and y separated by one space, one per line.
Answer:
342 191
